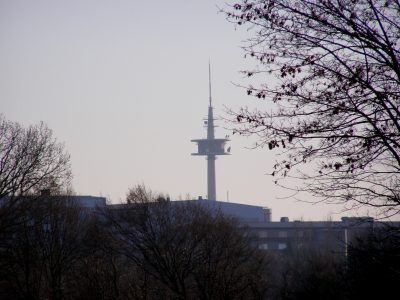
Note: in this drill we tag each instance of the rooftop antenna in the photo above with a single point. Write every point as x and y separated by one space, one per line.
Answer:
209 78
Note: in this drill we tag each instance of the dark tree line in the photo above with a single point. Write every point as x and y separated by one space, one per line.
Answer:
335 97
153 248
40 252
373 267
187 250
366 268
148 248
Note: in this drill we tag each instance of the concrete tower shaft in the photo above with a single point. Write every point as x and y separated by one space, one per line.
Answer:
211 181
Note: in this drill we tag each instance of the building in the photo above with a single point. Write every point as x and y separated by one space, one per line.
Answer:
287 234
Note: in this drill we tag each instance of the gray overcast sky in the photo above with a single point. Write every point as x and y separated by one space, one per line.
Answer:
125 85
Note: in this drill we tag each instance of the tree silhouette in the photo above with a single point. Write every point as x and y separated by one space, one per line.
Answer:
188 249
336 102
39 256
31 161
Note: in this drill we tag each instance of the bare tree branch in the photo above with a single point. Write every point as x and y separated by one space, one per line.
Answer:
336 104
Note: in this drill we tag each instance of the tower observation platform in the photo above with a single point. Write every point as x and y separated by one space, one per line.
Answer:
211 147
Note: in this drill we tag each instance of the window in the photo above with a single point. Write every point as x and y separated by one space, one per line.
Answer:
281 246
282 233
263 246
302 234
263 234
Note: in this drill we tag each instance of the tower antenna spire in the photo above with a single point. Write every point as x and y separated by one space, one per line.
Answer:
209 78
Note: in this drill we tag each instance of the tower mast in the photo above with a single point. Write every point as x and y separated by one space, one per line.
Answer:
211 147
209 78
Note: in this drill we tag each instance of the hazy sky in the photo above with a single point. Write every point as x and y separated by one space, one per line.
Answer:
125 85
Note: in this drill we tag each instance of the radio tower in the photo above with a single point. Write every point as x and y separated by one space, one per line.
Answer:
211 147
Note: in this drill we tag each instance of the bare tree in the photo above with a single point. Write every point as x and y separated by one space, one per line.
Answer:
31 160
229 265
335 104
104 273
38 257
313 270
188 250
373 265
